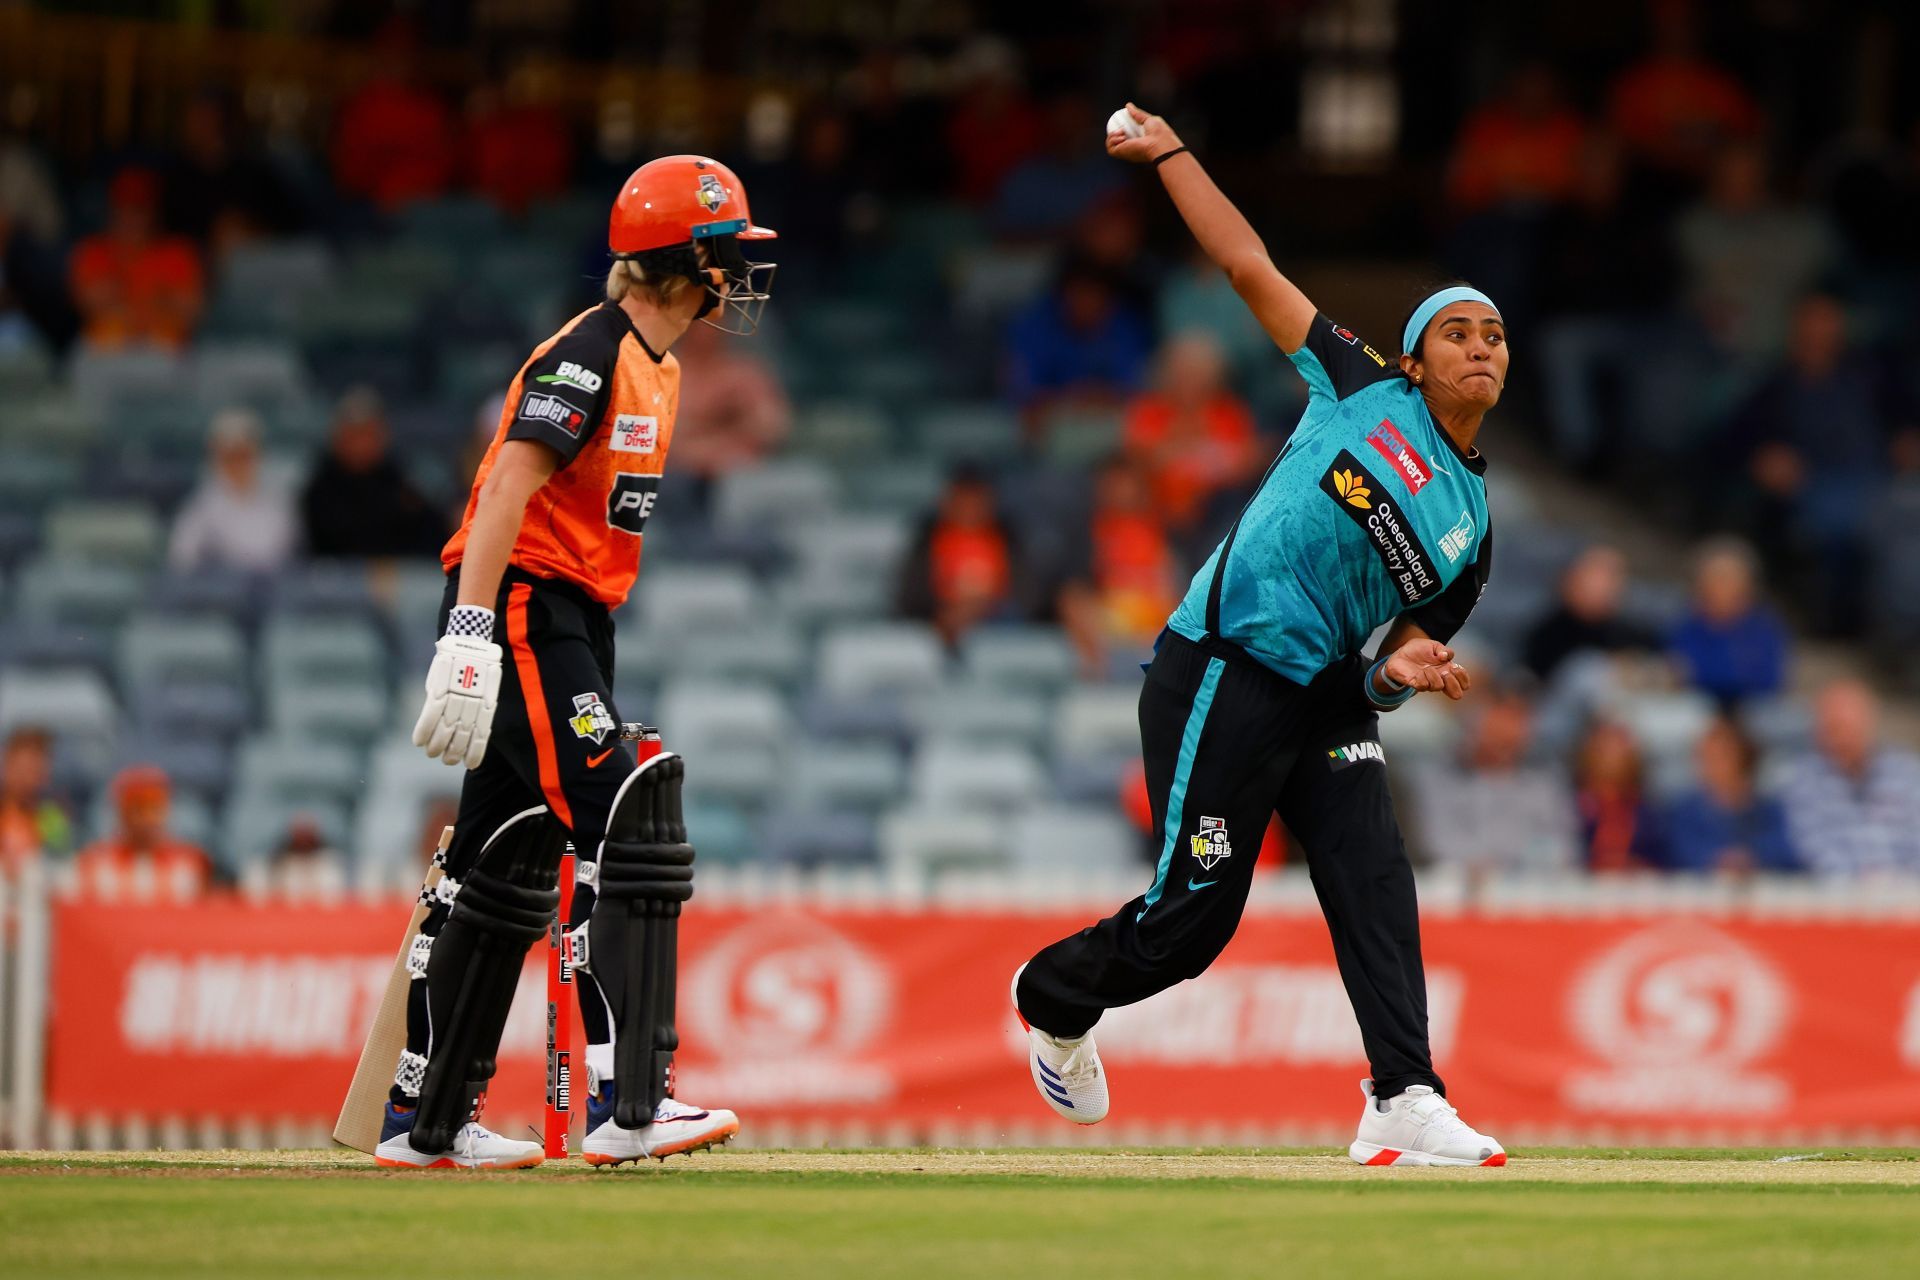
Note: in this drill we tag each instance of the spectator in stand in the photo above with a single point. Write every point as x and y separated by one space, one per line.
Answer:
1675 108
1853 804
141 859
33 285
1620 829
1731 645
1606 291
1723 824
236 518
1190 433
993 127
1586 617
518 148
131 283
213 189
1494 808
358 501
1126 579
1745 257
735 410
965 567
1053 188
1076 345
393 141
32 821
1111 237
304 865
1515 159
1816 439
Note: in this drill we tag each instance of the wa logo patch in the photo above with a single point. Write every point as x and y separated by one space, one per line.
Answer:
635 433
1373 508
552 410
591 719
1391 445
572 375
1353 753
1211 844
631 501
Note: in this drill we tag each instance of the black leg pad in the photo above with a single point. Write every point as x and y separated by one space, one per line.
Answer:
503 907
645 874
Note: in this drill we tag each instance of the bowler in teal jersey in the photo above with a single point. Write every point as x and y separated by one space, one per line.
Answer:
1260 698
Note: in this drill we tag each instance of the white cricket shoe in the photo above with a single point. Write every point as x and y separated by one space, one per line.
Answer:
1067 1073
677 1129
1420 1128
474 1147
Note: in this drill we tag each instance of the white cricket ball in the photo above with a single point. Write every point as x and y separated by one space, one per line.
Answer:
1122 121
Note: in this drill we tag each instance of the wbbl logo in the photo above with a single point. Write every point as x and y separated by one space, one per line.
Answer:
631 501
1211 844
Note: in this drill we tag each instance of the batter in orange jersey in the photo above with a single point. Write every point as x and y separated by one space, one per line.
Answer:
521 693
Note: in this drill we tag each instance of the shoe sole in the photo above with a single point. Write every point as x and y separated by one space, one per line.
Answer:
1373 1154
717 1138
1033 1060
448 1162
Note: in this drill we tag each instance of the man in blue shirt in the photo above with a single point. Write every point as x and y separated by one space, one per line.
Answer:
1259 699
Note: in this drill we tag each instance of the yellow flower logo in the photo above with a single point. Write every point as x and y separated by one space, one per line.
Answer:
1349 487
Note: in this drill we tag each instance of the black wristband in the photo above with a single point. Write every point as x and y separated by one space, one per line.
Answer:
1162 159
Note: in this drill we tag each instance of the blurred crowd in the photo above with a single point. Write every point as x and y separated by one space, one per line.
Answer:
1711 313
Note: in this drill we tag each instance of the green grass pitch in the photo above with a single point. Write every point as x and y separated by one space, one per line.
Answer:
932 1214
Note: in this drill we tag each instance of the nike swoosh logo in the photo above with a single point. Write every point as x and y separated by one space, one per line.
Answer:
593 762
1201 884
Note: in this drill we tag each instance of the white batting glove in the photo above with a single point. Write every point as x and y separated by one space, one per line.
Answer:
463 688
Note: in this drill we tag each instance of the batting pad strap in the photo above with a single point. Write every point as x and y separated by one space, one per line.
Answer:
411 1073
419 952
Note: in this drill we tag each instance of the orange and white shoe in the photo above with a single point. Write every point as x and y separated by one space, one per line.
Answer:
677 1129
474 1147
1420 1127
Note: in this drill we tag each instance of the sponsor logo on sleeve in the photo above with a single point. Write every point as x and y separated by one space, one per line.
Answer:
537 406
1373 355
635 433
1391 445
631 501
572 375
1455 541
1353 753
1369 504
1346 335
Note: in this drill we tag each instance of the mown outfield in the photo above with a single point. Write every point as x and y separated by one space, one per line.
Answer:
928 1214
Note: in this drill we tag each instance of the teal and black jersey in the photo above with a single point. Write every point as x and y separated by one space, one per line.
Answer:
1371 511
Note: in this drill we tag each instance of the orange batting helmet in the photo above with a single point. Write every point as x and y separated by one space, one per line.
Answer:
670 207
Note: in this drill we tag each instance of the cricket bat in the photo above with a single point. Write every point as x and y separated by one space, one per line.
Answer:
359 1123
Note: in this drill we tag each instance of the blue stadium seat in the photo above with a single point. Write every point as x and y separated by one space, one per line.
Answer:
1033 658
349 712
959 774
33 479
809 839
899 657
773 494
161 649
1080 839
309 650
256 824
298 769
115 382
853 430
917 843
765 652
219 708
986 713
855 776
105 533
1097 722
228 593
72 702
674 601
95 596
983 433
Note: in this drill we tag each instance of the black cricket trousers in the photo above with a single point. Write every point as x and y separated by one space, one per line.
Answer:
1227 742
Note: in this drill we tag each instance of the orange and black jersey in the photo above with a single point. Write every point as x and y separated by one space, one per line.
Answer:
597 395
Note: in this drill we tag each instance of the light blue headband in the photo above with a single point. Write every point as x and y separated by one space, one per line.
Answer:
1424 313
